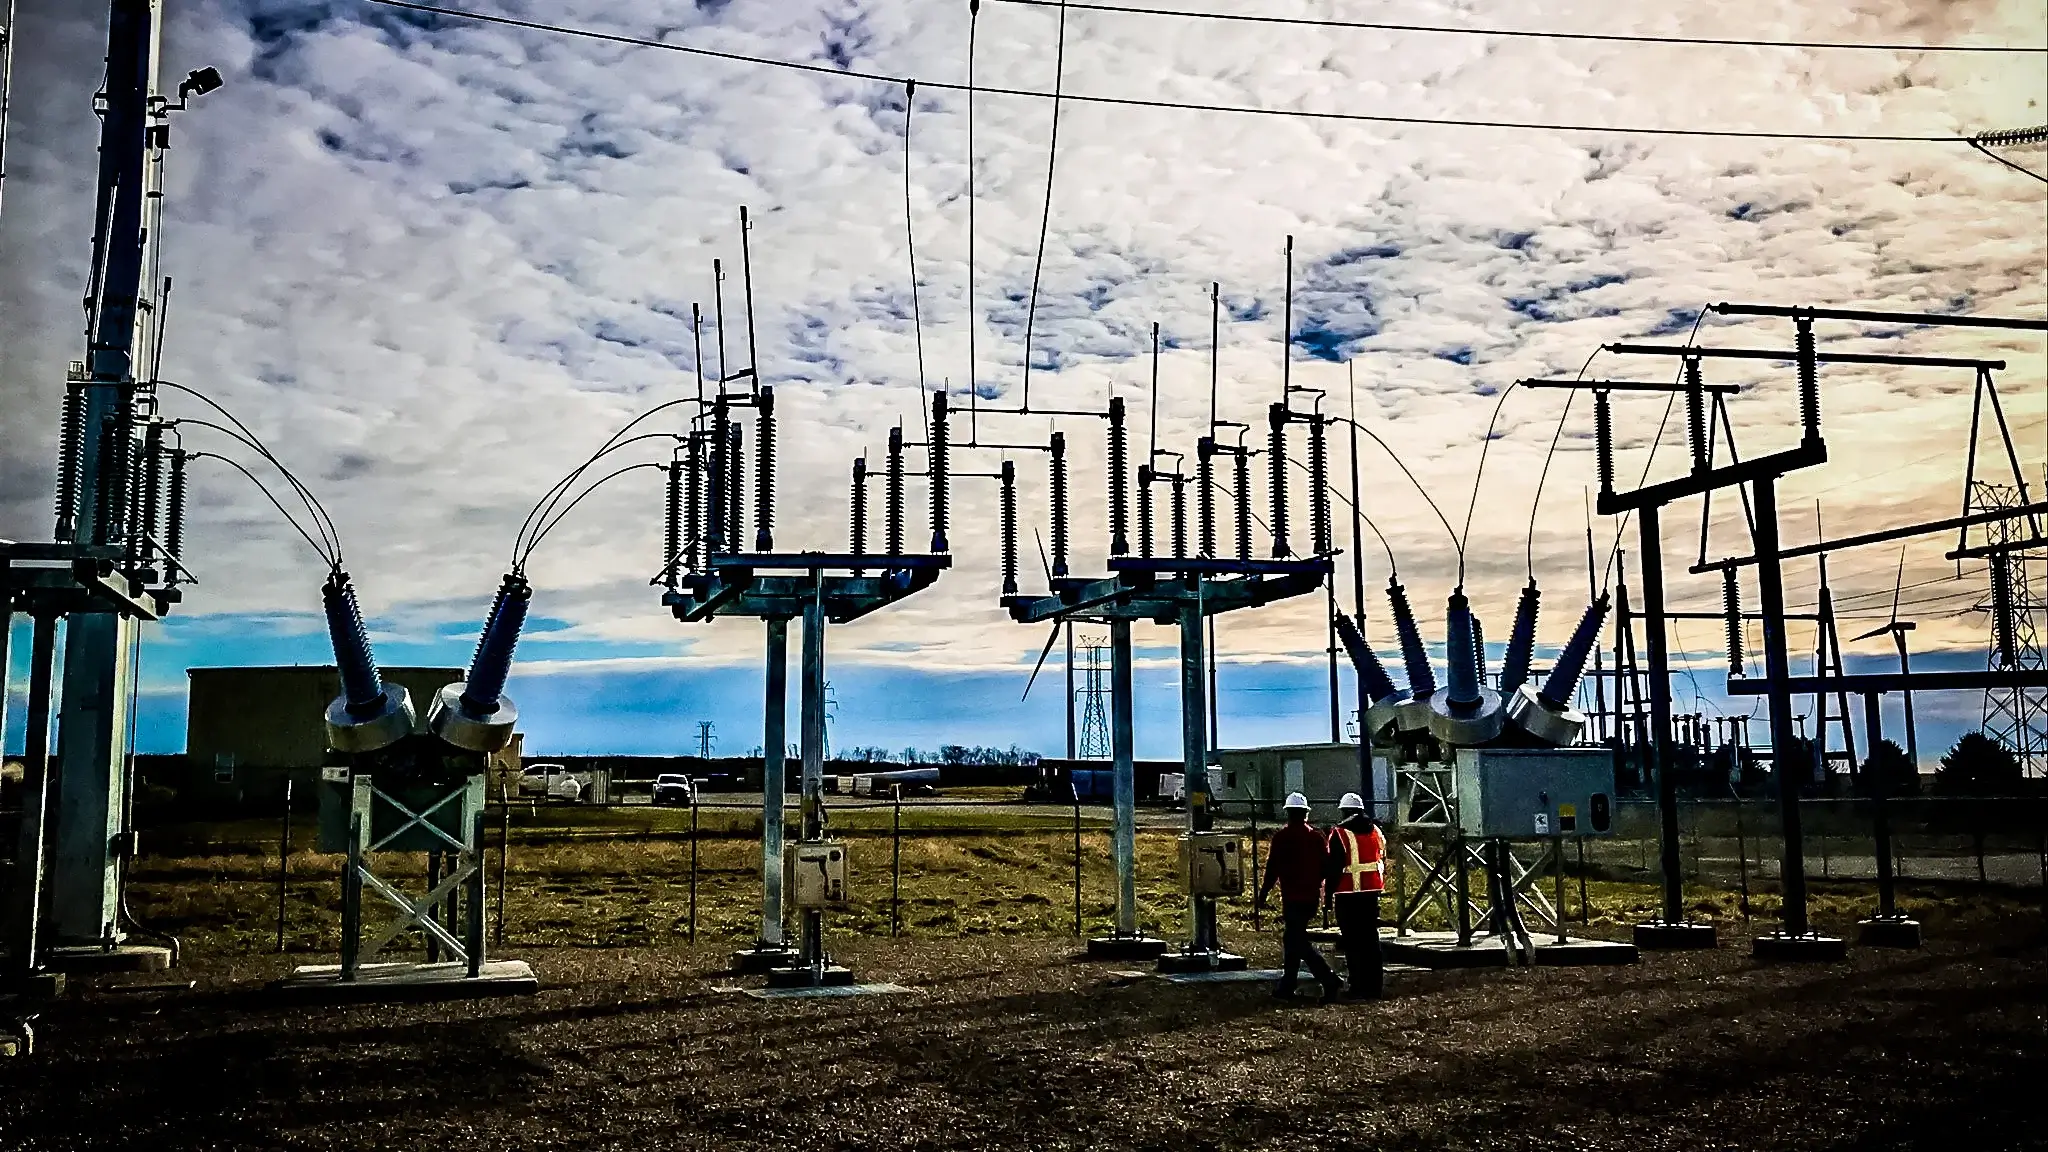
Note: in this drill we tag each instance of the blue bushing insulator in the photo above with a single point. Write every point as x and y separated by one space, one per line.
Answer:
368 714
1421 677
475 714
1563 681
360 684
493 660
1458 651
1467 714
1378 685
1514 667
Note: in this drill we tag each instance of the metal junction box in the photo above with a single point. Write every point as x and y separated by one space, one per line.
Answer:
1213 863
814 874
1535 793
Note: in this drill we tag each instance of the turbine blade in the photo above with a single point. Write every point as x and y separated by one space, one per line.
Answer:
1042 654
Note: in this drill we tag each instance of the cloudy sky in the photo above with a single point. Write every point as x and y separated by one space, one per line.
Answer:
435 262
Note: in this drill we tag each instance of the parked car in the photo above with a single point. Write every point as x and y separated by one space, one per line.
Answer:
674 788
552 782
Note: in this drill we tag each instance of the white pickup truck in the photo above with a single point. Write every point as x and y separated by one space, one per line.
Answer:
554 782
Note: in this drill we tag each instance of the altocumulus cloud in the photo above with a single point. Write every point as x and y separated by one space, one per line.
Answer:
435 262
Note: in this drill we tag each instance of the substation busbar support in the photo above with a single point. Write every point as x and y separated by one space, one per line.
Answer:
823 589
1184 592
1796 939
113 561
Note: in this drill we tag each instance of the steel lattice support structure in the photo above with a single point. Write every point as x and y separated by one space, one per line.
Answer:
2016 717
1095 741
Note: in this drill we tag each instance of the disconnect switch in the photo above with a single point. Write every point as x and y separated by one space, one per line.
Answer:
814 874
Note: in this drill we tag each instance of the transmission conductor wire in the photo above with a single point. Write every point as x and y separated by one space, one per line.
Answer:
319 511
1171 105
1519 33
305 535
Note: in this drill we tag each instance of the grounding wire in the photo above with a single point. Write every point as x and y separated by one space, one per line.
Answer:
1478 474
543 530
1979 146
1523 33
329 533
1529 541
1052 152
1424 492
1171 105
910 230
1393 568
330 548
296 526
552 495
1663 421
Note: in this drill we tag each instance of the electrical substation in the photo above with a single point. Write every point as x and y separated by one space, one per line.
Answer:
1493 773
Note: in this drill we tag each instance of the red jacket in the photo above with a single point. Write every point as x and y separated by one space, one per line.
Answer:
1296 860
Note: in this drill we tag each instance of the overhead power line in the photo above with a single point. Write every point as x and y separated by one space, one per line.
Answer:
1174 105
1517 33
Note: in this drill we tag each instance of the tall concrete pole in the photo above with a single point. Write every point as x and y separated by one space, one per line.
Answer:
1656 639
1788 769
1194 761
93 722
774 774
813 721
1124 837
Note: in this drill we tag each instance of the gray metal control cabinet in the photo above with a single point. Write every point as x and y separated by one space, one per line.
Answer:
1535 793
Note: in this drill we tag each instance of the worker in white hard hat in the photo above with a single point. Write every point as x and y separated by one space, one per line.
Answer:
1296 858
1355 875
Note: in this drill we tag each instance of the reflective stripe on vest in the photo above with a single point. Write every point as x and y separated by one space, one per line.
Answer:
1363 858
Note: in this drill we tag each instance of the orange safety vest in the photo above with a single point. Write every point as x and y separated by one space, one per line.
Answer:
1364 860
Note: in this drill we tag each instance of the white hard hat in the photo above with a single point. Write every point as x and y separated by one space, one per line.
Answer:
1296 802
1352 802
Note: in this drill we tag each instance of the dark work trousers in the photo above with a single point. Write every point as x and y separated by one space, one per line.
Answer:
1297 949
1358 918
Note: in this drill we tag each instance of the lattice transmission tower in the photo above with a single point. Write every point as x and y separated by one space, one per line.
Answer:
1094 743
2015 717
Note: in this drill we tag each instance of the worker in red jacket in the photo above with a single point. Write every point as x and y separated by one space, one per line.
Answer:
1296 859
1356 876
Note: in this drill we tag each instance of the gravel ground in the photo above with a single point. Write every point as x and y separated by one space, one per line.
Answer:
1007 1043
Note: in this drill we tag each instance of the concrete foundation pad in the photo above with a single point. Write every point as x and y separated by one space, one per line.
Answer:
1225 976
831 976
761 958
1888 932
379 983
816 990
1180 963
1126 948
1441 950
1663 936
119 958
34 986
1812 948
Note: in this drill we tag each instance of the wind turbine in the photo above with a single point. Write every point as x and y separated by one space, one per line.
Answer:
1898 628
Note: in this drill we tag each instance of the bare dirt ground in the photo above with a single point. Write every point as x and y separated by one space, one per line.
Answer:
1007 1043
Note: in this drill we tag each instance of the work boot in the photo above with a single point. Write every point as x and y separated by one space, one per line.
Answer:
1283 992
1332 988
